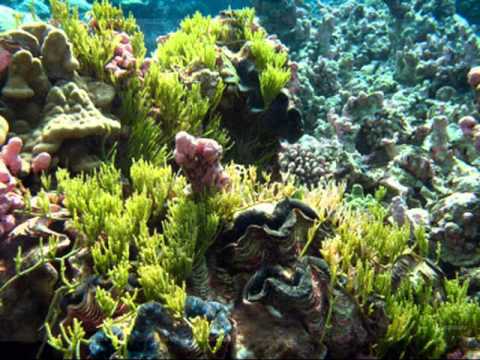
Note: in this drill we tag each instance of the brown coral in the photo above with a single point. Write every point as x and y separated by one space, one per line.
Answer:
70 114
26 78
57 56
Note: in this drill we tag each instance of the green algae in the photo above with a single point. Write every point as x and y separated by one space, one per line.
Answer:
363 249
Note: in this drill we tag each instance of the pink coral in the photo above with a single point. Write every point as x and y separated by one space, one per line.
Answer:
467 123
5 60
41 162
10 165
10 155
124 61
145 66
474 77
200 160
10 162
471 130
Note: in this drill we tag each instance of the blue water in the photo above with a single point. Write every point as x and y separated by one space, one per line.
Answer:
155 18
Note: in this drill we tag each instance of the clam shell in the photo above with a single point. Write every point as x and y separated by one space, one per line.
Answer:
199 280
268 235
299 293
419 271
87 311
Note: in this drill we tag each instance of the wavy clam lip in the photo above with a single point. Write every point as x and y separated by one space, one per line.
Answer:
420 272
267 234
293 292
280 286
87 311
213 311
155 326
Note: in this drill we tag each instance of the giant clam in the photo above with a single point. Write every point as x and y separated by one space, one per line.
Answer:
87 310
144 341
199 279
297 292
100 345
262 335
420 272
83 305
267 234
29 296
156 334
218 315
347 333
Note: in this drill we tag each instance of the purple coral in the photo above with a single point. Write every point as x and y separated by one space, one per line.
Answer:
467 124
200 160
10 162
10 155
471 130
124 62
41 162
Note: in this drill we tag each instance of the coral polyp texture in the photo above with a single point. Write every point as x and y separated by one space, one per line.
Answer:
292 180
200 159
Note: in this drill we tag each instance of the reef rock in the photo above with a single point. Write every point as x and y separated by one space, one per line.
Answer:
456 227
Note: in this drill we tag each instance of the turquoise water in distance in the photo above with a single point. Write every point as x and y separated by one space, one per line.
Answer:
155 17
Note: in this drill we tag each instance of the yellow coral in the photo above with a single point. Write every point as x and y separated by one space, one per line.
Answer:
70 114
57 56
26 77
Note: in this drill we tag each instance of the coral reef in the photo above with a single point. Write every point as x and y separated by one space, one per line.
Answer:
389 82
287 19
122 234
42 114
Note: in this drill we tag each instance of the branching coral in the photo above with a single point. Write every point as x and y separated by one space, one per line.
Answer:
200 159
11 197
124 62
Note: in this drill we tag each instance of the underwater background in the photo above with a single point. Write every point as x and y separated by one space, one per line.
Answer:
240 179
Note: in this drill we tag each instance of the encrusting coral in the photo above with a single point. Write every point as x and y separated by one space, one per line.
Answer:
69 113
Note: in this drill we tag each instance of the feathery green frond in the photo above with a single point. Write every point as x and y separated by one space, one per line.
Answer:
272 81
